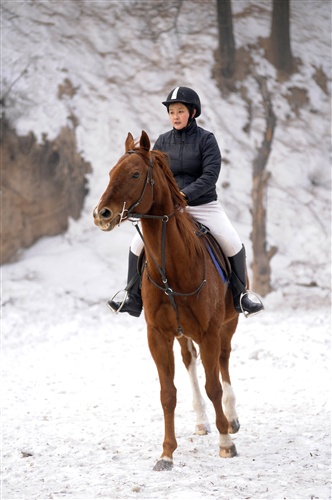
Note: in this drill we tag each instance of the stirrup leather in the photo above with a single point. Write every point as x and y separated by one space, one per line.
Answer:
116 311
247 314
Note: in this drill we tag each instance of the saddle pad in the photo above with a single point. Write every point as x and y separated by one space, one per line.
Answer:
217 255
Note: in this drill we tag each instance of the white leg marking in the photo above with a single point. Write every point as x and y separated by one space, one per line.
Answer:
225 441
202 423
228 401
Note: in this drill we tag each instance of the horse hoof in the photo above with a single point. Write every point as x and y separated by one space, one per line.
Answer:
163 464
202 429
228 451
233 426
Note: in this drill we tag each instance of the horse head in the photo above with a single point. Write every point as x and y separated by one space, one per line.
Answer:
130 185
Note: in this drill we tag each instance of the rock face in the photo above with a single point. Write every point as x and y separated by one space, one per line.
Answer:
42 185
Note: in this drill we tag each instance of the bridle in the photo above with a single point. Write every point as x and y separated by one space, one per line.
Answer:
129 213
135 217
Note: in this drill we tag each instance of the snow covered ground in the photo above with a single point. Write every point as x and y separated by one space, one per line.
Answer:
81 417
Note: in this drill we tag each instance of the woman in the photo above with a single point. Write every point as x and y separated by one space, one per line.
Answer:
195 161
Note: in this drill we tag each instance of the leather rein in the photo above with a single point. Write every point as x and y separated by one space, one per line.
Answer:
135 217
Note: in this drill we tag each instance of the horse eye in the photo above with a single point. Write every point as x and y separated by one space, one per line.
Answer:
135 175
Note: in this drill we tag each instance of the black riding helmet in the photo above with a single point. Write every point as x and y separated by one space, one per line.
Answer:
186 96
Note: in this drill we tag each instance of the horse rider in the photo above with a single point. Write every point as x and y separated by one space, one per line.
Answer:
195 161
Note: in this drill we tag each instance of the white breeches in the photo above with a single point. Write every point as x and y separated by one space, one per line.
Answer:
214 217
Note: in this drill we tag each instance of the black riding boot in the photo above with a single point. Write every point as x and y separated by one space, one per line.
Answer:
238 280
133 303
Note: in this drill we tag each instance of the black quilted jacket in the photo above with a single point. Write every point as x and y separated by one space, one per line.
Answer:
195 160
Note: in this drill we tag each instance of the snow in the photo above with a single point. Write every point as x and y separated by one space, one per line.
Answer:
81 417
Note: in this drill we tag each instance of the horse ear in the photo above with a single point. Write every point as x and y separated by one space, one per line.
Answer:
144 141
129 142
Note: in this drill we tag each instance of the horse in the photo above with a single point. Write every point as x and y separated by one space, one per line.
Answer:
183 296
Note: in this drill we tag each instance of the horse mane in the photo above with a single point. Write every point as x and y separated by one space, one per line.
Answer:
185 222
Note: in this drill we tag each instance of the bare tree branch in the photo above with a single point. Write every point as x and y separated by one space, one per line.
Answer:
262 256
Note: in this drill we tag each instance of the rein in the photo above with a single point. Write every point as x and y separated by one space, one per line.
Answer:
162 270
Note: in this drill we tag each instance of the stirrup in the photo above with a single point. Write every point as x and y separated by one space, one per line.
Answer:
116 311
247 314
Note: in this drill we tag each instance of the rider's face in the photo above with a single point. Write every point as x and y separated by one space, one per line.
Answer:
178 115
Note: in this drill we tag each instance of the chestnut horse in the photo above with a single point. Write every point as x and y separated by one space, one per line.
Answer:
183 294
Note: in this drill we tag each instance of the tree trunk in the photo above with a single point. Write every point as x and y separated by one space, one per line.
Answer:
261 257
226 38
280 49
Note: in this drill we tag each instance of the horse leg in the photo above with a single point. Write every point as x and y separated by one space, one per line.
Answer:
189 357
209 349
228 397
161 348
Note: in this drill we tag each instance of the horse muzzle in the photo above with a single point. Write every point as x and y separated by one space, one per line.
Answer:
104 219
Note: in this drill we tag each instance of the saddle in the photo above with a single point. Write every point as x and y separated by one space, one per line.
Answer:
217 254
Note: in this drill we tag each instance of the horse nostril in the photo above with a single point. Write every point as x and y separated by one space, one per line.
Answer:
105 213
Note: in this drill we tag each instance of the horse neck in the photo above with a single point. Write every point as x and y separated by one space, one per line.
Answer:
172 245
176 237
153 227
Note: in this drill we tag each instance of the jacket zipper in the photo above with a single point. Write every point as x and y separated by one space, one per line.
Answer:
183 138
